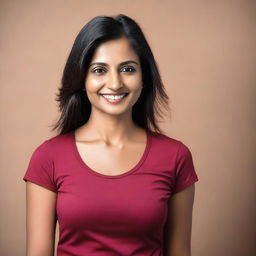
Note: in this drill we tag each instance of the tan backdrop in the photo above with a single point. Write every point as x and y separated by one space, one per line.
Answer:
206 52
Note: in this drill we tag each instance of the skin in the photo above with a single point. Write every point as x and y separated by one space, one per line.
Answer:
113 123
40 220
177 238
110 132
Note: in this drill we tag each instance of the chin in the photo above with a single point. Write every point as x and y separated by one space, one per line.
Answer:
115 112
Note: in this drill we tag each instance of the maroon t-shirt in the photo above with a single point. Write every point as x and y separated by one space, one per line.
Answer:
106 215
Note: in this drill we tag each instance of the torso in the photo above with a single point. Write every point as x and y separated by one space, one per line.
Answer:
109 160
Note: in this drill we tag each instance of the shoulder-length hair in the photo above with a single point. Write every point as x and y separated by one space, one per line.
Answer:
74 106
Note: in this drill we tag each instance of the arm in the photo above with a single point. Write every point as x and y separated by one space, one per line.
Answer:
177 236
40 220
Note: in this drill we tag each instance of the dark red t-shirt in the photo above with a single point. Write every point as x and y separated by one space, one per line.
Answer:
112 215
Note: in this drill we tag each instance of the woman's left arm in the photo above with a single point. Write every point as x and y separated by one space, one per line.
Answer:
177 235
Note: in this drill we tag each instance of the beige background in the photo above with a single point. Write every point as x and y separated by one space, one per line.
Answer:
206 52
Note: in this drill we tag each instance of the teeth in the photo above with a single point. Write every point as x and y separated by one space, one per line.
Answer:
113 97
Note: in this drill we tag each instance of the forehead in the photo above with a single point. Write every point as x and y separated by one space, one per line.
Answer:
114 50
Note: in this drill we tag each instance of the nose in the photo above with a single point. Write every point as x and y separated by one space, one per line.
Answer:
114 81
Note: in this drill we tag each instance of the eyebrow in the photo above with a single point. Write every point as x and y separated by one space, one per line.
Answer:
120 64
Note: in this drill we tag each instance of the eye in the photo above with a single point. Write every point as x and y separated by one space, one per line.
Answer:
102 70
132 69
98 70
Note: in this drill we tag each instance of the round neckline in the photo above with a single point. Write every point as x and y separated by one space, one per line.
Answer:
133 169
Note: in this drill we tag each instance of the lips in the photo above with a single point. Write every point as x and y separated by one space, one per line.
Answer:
113 98
114 94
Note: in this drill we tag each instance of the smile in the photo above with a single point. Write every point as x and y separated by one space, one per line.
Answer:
113 98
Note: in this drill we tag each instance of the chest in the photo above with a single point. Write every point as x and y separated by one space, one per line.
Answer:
110 160
136 204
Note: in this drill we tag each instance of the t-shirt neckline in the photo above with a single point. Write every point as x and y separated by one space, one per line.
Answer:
133 169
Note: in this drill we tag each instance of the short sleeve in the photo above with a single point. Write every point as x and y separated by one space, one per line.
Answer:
185 174
40 168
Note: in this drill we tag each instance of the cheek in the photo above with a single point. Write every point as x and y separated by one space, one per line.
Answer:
133 81
93 84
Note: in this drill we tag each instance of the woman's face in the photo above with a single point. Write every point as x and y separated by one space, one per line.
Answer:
114 79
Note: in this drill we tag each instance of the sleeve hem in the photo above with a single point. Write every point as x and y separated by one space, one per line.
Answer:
37 182
185 185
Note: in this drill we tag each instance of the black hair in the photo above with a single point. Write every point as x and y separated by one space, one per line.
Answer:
74 105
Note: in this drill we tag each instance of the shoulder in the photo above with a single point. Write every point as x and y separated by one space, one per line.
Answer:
166 141
57 142
46 148
42 150
171 146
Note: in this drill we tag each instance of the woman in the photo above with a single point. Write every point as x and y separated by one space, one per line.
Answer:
110 180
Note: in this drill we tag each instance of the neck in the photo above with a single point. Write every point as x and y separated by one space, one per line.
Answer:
112 129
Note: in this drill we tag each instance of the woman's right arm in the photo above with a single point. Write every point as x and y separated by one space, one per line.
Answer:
40 220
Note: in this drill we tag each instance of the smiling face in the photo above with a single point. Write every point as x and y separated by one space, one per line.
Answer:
114 70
